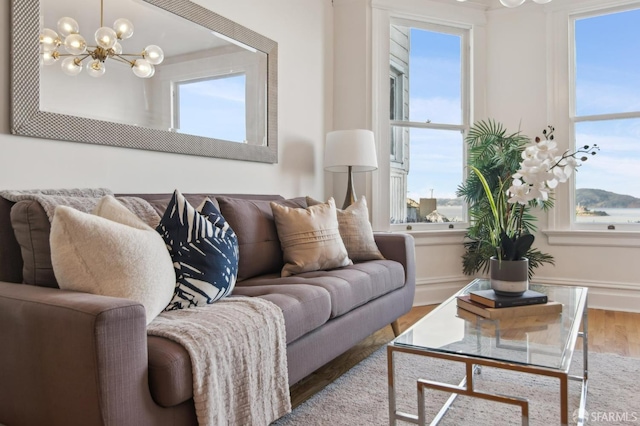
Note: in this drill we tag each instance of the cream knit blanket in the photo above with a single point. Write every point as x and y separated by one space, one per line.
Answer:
83 199
238 356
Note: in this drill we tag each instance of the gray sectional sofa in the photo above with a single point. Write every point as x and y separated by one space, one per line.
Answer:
74 358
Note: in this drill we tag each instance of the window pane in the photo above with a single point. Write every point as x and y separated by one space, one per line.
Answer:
607 63
432 63
213 108
607 189
430 180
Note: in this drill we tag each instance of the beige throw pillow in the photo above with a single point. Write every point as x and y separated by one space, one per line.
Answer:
112 253
356 231
310 238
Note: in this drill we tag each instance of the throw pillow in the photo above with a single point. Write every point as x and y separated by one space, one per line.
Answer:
310 238
260 251
112 253
204 250
356 231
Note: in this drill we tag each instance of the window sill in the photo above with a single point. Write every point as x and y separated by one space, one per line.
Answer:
611 238
437 237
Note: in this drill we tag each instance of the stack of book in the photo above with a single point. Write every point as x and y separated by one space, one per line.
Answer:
488 304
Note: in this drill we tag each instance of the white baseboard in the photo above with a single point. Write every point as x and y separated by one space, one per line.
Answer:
436 290
602 295
613 296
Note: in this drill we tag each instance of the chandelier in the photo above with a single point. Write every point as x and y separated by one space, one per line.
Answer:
516 3
107 47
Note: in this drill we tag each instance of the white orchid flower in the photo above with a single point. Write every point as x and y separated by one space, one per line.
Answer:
539 192
518 192
546 149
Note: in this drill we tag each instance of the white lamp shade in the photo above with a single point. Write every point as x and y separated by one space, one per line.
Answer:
355 148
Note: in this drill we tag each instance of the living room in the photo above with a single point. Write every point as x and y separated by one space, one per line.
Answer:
314 67
327 80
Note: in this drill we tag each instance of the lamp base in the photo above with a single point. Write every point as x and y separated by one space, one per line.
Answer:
350 198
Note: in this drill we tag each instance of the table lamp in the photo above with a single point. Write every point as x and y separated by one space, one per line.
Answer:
350 151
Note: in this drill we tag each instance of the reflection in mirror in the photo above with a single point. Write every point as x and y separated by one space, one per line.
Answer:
202 87
212 95
223 96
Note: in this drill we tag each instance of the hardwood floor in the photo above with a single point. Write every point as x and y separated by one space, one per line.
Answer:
609 331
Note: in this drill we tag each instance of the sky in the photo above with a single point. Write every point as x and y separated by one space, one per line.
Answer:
607 81
436 155
214 108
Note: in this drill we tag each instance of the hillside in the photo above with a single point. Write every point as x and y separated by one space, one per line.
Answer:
585 197
594 198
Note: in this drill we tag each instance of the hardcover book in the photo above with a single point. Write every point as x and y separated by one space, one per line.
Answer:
491 299
465 302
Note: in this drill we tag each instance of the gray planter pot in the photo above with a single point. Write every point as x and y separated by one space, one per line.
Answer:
509 277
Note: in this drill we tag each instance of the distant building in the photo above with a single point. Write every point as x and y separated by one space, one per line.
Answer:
413 208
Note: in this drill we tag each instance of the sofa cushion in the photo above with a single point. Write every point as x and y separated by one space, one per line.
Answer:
260 251
111 253
305 308
310 238
356 231
349 287
204 250
31 227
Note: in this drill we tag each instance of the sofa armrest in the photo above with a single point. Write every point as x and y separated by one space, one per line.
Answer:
401 248
70 357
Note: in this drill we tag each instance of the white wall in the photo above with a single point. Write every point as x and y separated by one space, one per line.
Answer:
302 30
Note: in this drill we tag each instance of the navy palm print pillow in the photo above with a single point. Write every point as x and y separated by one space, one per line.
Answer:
204 250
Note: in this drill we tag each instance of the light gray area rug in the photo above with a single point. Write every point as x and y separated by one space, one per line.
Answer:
360 397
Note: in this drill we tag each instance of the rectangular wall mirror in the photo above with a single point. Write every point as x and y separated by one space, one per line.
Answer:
214 93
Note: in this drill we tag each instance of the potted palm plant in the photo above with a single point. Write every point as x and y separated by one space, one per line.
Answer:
510 175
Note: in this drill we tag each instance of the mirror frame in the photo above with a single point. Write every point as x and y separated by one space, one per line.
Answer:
28 120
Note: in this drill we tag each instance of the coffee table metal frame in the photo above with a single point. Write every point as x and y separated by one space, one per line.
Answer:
473 365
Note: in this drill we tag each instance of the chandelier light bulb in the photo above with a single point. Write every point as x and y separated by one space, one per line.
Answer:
68 26
71 66
142 68
153 54
75 44
50 57
95 68
123 28
511 3
49 40
117 48
106 37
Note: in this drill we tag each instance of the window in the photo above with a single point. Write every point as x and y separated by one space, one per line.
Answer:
429 114
606 111
212 107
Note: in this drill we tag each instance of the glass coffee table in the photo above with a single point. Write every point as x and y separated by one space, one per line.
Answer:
510 344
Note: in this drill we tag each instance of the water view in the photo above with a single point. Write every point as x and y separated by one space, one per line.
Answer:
612 216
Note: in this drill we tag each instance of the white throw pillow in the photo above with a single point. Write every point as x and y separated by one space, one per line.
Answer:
112 253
